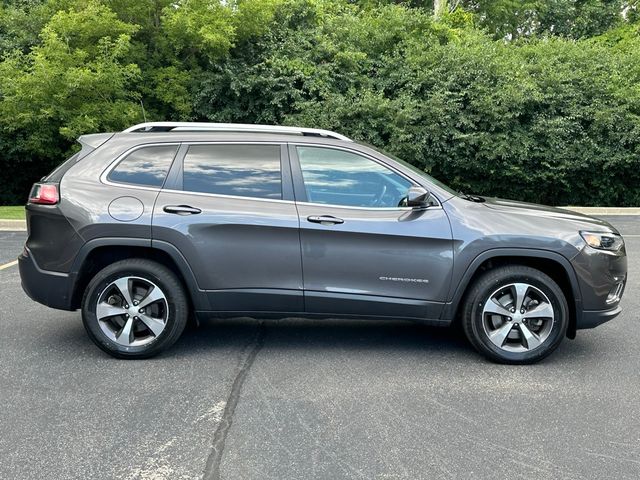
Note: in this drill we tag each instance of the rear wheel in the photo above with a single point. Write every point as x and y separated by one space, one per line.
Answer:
515 314
134 308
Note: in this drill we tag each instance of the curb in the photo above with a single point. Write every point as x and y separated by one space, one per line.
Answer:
13 225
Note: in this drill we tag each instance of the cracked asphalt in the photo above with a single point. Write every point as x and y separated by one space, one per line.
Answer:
297 399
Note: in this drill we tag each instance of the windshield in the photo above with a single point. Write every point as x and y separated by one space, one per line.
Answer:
415 169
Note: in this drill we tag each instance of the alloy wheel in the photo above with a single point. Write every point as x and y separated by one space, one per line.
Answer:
518 317
132 311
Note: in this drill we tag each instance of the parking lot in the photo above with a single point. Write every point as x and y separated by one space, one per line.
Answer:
297 399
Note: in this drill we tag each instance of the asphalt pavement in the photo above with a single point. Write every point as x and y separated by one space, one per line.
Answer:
298 399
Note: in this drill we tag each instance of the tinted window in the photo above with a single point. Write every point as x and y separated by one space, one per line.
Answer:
337 177
240 170
145 166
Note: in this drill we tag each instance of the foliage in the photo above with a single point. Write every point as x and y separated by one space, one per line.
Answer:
568 18
12 213
74 81
525 99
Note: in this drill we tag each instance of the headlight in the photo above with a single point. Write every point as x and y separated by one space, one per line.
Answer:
603 241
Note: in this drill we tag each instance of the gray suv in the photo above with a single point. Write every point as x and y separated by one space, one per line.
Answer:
144 227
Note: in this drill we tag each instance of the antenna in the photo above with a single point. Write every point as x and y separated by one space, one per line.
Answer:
144 115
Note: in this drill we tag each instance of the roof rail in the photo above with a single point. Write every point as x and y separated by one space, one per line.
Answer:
231 127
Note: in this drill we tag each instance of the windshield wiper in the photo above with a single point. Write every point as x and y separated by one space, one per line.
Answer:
472 198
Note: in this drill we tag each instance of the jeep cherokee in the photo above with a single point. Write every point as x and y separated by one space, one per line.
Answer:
140 228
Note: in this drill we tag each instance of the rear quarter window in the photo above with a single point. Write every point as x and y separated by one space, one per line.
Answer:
146 166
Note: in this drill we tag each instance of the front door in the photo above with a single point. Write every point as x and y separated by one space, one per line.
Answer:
229 209
362 251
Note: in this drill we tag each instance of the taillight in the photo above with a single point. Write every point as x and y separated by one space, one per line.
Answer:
44 194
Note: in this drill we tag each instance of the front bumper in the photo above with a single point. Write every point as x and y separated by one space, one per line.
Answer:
602 277
52 289
593 318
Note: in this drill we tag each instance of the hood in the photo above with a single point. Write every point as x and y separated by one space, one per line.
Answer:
533 209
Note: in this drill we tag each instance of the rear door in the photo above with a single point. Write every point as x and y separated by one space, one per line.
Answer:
363 252
229 209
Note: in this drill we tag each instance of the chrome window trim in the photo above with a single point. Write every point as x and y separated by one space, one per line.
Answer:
232 142
221 195
275 200
399 209
112 165
372 158
105 174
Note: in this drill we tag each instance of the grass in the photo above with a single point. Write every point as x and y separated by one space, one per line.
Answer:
12 213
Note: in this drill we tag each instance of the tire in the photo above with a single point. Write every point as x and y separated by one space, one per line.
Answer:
505 333
146 320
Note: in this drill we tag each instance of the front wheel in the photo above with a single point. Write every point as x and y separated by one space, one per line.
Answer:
134 308
515 314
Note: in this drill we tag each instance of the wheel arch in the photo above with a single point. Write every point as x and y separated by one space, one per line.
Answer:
97 254
550 263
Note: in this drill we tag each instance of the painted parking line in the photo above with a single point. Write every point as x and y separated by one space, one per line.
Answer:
8 265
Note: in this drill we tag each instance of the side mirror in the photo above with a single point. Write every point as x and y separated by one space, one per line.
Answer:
417 197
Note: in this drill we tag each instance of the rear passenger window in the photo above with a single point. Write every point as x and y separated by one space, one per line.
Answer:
238 170
146 166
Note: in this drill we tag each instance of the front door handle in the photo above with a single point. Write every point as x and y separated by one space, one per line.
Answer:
325 219
182 209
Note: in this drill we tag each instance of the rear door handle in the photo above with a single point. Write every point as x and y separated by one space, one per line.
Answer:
182 209
325 219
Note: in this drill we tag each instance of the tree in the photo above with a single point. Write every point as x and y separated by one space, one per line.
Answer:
75 81
511 19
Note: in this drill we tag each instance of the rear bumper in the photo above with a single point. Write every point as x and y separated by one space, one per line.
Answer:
593 318
52 289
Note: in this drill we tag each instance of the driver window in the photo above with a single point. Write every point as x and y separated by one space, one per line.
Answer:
336 177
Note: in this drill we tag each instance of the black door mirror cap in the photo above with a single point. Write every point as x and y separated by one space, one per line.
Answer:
418 196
